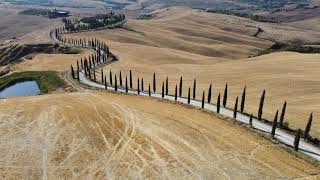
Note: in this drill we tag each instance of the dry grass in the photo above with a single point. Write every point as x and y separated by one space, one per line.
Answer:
26 29
102 135
50 62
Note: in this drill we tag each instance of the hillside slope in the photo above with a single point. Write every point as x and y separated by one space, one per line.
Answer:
103 135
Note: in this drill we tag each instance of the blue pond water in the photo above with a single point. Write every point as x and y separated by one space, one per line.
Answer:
26 88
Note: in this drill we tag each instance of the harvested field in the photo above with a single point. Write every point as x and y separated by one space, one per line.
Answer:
50 62
25 29
103 135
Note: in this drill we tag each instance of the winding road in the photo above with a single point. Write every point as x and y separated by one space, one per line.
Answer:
281 135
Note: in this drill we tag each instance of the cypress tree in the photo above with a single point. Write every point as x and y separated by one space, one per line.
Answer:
209 93
81 63
308 127
282 114
194 89
189 96
243 99
110 75
274 125
102 80
89 73
162 92
297 140
167 86
180 87
176 94
138 85
115 83
120 79
235 109
85 69
250 120
218 104
126 84
225 96
149 90
78 75
202 105
154 82
142 85
260 111
72 72
105 83
130 79
78 64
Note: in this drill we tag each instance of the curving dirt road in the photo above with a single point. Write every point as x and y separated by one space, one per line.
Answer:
281 135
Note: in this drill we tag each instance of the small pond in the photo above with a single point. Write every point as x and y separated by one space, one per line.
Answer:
26 88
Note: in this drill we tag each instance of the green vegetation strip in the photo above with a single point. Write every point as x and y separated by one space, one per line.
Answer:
47 81
278 47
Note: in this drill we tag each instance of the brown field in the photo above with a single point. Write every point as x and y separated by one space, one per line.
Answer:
26 29
213 50
50 62
105 135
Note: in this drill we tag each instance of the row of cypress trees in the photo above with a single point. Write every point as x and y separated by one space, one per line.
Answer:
89 66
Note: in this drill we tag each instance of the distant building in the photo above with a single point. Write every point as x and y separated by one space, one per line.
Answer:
56 14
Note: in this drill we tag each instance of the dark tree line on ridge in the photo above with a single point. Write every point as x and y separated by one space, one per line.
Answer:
96 22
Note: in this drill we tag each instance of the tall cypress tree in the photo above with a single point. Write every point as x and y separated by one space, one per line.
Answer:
282 114
105 82
235 109
142 85
180 87
176 94
260 111
138 86
130 79
167 86
72 72
202 105
115 83
162 92
308 127
243 99
78 75
126 84
154 83
77 64
225 96
102 80
149 90
189 96
209 93
120 79
274 125
218 104
110 75
89 71
194 89
297 140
